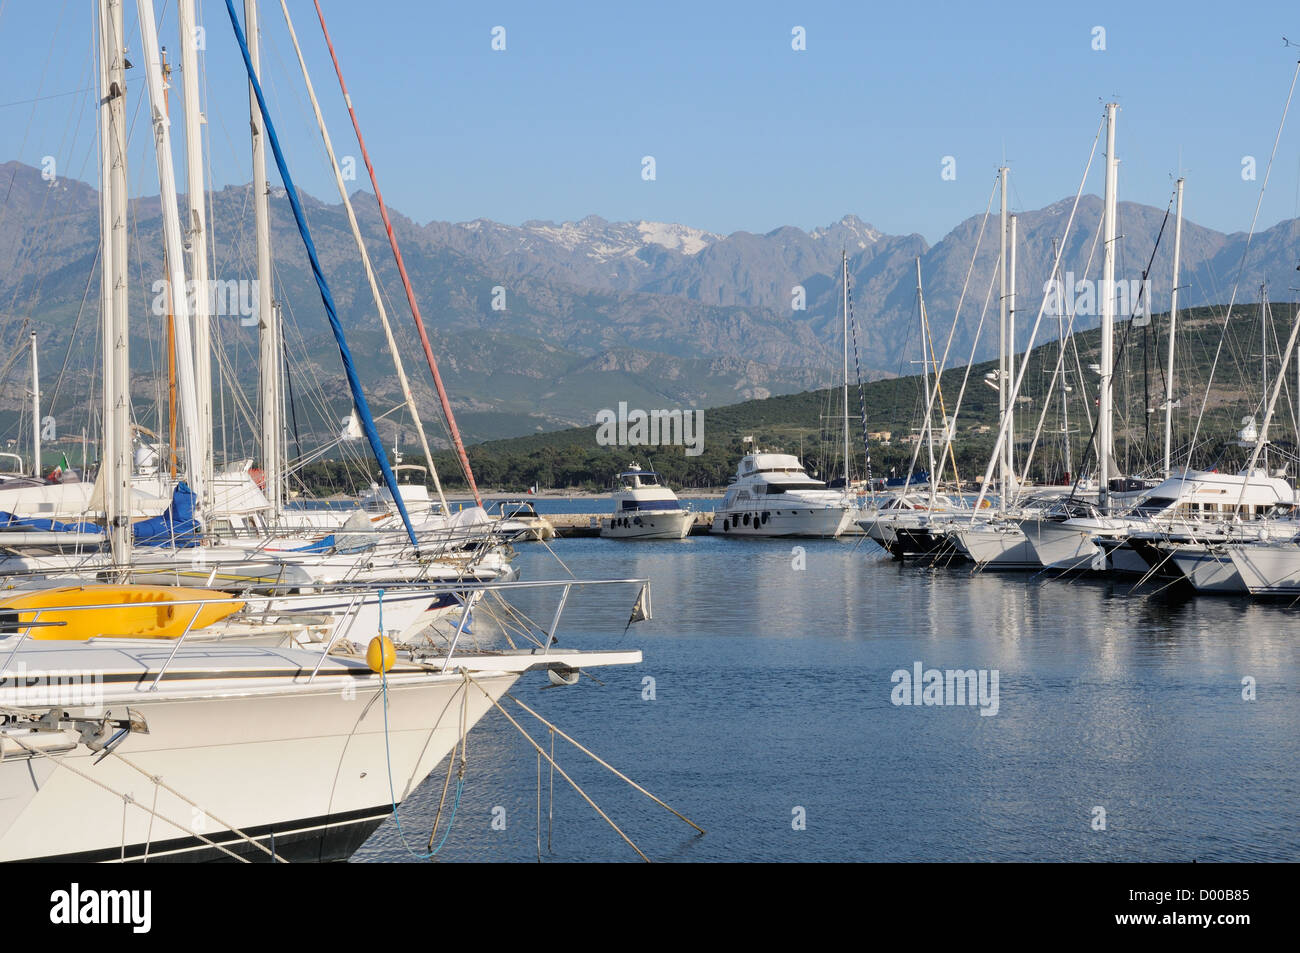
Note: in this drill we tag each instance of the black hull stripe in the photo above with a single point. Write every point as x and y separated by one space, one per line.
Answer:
321 839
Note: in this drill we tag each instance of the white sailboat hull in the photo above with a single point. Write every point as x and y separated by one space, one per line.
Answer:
1268 569
242 733
1002 547
1208 570
305 770
1060 545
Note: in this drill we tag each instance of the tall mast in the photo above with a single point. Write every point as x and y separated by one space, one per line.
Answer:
1173 326
1261 440
197 233
1105 435
36 412
115 462
1010 444
171 318
1263 347
268 326
1003 370
925 379
173 247
845 267
171 383
1263 335
1065 389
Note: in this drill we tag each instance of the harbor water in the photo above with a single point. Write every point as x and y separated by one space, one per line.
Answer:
1120 726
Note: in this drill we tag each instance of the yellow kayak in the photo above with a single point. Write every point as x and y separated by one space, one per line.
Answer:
124 617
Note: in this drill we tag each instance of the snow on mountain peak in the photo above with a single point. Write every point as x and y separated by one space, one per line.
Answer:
602 240
682 238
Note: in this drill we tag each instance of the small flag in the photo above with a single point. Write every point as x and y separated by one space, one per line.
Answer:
57 473
641 611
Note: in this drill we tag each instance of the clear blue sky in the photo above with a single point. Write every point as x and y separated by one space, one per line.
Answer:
746 132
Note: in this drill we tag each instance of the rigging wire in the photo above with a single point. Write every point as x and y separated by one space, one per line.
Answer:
1245 253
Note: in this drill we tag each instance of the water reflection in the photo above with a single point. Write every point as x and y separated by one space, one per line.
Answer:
772 692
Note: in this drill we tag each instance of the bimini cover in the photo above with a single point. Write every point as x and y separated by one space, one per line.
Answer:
177 527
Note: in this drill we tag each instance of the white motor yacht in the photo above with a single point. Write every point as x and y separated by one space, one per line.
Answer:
772 495
645 509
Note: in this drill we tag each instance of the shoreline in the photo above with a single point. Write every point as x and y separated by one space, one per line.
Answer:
498 495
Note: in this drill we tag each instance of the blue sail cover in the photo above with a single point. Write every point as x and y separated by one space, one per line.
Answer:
10 521
177 527
323 545
919 478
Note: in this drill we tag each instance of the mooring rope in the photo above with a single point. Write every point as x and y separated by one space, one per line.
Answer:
574 784
555 730
432 851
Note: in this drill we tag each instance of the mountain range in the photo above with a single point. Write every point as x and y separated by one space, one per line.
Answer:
595 312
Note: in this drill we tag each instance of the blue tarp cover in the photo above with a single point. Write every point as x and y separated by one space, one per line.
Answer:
919 478
10 521
176 527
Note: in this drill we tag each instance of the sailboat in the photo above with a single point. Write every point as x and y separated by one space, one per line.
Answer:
123 748
457 549
1073 534
1176 529
294 749
996 540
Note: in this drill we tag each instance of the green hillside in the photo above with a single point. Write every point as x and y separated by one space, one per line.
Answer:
808 423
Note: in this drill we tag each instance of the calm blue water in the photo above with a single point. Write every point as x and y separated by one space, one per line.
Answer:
772 692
